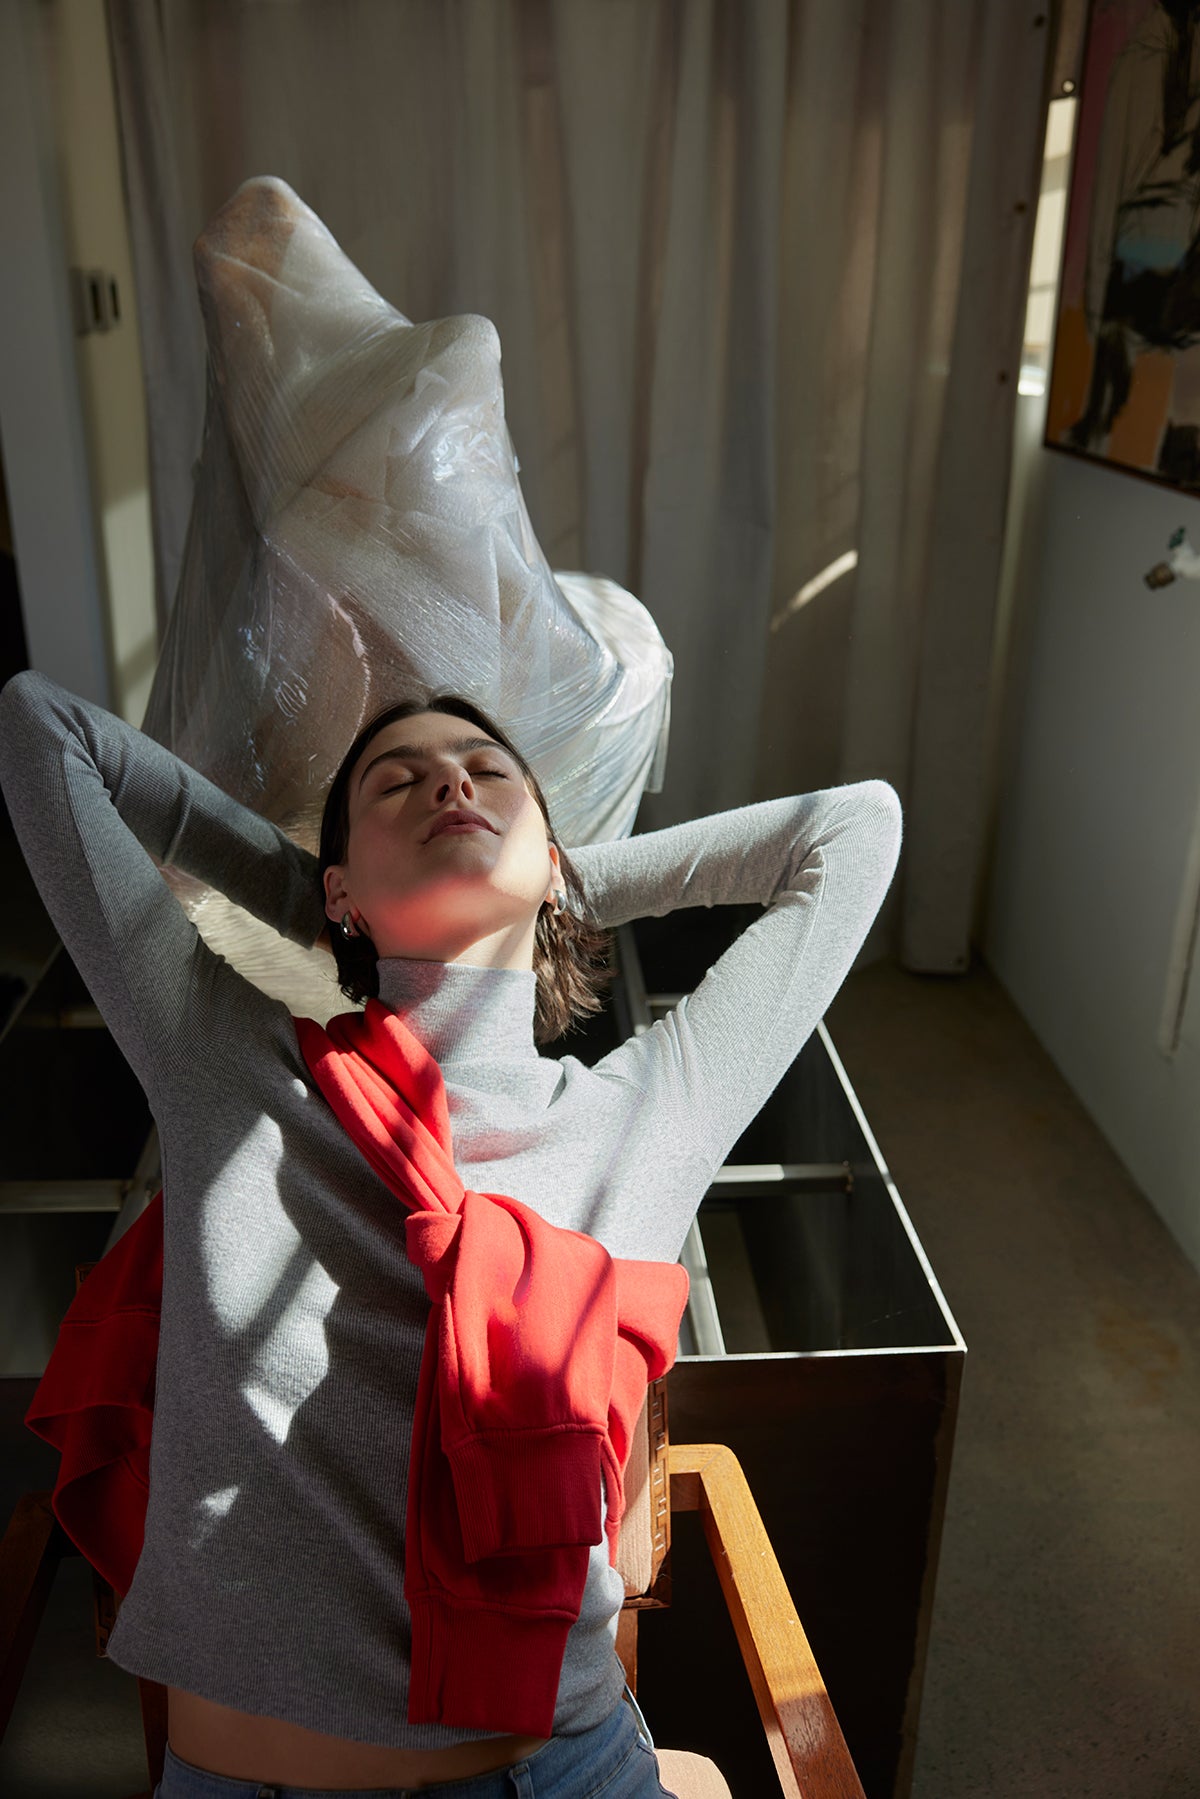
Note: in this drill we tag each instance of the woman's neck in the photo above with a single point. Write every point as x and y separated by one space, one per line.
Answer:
461 1011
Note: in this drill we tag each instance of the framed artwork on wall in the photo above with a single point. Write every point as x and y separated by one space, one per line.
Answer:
1125 379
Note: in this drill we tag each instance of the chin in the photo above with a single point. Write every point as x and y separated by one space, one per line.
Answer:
448 938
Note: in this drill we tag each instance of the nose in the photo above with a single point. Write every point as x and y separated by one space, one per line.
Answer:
451 783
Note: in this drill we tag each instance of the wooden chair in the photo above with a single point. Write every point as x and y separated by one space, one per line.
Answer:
806 1742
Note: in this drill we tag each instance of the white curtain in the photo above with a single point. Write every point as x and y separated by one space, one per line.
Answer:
758 270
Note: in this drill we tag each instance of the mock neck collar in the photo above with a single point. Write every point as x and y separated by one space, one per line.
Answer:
462 1013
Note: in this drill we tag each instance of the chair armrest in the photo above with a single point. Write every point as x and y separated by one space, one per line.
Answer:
806 1741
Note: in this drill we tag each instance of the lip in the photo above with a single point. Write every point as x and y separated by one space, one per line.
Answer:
458 819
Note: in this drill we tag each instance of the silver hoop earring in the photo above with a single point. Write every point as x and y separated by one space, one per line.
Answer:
560 902
347 926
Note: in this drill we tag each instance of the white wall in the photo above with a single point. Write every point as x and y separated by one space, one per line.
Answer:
88 167
71 407
59 561
1088 905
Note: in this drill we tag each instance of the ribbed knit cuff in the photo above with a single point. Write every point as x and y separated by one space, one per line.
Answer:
527 1490
481 1669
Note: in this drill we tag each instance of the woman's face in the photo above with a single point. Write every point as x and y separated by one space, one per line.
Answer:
421 885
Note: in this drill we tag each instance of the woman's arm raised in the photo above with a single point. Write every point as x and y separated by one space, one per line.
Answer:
93 801
820 863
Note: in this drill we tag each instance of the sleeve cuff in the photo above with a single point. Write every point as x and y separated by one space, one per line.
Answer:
520 1490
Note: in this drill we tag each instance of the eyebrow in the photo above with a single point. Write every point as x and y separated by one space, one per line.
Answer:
415 752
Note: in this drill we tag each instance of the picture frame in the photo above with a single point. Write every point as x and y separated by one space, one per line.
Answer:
1125 374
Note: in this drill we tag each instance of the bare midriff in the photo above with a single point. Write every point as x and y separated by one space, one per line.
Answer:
242 1746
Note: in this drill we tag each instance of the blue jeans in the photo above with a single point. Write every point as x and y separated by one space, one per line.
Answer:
609 1761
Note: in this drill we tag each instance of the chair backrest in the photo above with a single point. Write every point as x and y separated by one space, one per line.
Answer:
646 1526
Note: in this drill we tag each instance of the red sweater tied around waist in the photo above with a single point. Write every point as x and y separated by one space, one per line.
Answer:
538 1350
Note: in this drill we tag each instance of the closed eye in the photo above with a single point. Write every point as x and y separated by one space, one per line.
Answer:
500 774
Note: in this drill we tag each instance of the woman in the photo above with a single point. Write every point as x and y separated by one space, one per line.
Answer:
269 1596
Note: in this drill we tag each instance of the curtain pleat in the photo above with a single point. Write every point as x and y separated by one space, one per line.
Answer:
172 339
758 272
946 774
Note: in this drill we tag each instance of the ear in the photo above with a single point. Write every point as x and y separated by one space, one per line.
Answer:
556 869
337 897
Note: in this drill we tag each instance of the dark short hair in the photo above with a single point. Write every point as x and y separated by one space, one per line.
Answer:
570 953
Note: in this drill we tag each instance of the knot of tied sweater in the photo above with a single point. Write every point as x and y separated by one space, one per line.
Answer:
432 1242
539 1344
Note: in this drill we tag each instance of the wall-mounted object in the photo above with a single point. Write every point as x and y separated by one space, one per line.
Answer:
95 301
1123 386
1068 48
1182 559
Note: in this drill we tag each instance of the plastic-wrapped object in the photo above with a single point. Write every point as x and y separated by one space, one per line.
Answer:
358 534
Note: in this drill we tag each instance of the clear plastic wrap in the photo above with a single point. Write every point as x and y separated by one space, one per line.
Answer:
358 534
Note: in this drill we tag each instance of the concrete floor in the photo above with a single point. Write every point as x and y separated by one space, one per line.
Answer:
1065 1651
1065 1657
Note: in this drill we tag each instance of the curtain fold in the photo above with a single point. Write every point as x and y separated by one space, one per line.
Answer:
161 233
758 272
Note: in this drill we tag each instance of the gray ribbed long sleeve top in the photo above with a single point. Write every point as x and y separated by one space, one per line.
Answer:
272 1576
